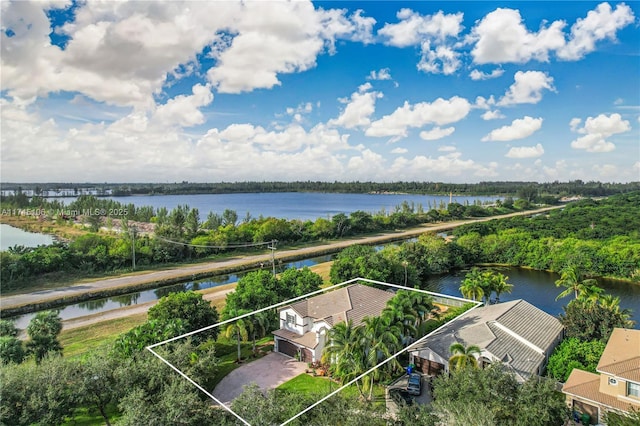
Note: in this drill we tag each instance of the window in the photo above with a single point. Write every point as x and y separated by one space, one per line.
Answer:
633 389
291 319
612 381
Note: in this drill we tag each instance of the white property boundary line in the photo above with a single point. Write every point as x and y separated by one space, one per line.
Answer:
288 302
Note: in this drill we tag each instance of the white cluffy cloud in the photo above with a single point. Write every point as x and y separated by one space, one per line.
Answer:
527 88
430 32
601 23
122 53
596 130
518 129
436 133
414 28
383 74
479 75
525 151
501 37
492 115
439 112
359 108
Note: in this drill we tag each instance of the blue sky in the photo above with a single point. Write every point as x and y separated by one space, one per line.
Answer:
382 91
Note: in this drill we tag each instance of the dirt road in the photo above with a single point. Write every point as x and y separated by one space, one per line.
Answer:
120 284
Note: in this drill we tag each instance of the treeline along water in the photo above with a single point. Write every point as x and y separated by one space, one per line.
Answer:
536 287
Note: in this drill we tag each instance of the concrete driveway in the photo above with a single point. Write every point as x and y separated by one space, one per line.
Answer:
267 372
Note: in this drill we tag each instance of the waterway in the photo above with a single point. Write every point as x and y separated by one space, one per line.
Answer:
536 287
11 236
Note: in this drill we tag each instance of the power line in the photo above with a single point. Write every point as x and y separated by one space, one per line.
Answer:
228 246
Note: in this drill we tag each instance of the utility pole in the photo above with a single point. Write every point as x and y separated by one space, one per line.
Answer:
272 247
133 247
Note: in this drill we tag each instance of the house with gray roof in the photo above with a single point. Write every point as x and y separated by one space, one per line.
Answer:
304 325
516 334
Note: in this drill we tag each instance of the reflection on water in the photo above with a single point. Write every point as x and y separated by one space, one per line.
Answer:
536 287
101 305
11 236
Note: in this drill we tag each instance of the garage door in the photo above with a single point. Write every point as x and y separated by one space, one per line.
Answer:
583 407
287 348
307 356
428 367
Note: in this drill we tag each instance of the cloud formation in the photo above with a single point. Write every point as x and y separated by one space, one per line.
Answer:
518 129
527 88
596 130
525 151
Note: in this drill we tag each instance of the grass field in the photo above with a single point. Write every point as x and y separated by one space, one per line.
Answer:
81 340
322 386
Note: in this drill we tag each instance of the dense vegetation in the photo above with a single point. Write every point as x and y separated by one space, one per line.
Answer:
576 187
589 319
601 238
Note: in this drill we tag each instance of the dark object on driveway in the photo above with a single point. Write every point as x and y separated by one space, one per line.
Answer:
401 396
414 387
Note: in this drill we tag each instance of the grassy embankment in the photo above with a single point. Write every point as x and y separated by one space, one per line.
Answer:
80 340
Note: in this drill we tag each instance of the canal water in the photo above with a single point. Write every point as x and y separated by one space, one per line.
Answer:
536 287
11 236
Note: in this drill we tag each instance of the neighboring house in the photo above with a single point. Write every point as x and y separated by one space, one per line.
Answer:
617 387
515 333
304 325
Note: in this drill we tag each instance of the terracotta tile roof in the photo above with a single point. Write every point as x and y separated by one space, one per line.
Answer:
585 385
621 356
353 302
366 302
308 339
629 369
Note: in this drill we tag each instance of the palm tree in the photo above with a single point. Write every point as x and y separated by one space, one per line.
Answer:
462 356
472 285
381 341
345 352
500 285
571 278
610 302
240 330
401 312
259 326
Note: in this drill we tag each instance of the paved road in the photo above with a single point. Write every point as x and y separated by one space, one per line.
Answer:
186 272
268 372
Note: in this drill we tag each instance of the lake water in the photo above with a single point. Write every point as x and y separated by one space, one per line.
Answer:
536 287
11 236
292 205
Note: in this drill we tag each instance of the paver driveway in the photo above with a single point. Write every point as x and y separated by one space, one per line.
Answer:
267 372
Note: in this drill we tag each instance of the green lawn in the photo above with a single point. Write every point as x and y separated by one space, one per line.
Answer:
321 386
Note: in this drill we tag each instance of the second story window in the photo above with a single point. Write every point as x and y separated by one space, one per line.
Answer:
291 320
633 389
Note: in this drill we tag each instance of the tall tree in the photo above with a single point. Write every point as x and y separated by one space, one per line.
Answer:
238 330
472 286
571 278
189 307
43 332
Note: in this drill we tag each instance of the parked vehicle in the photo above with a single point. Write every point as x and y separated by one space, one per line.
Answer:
414 387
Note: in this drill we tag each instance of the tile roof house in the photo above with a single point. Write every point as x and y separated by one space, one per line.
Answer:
515 333
617 387
304 325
